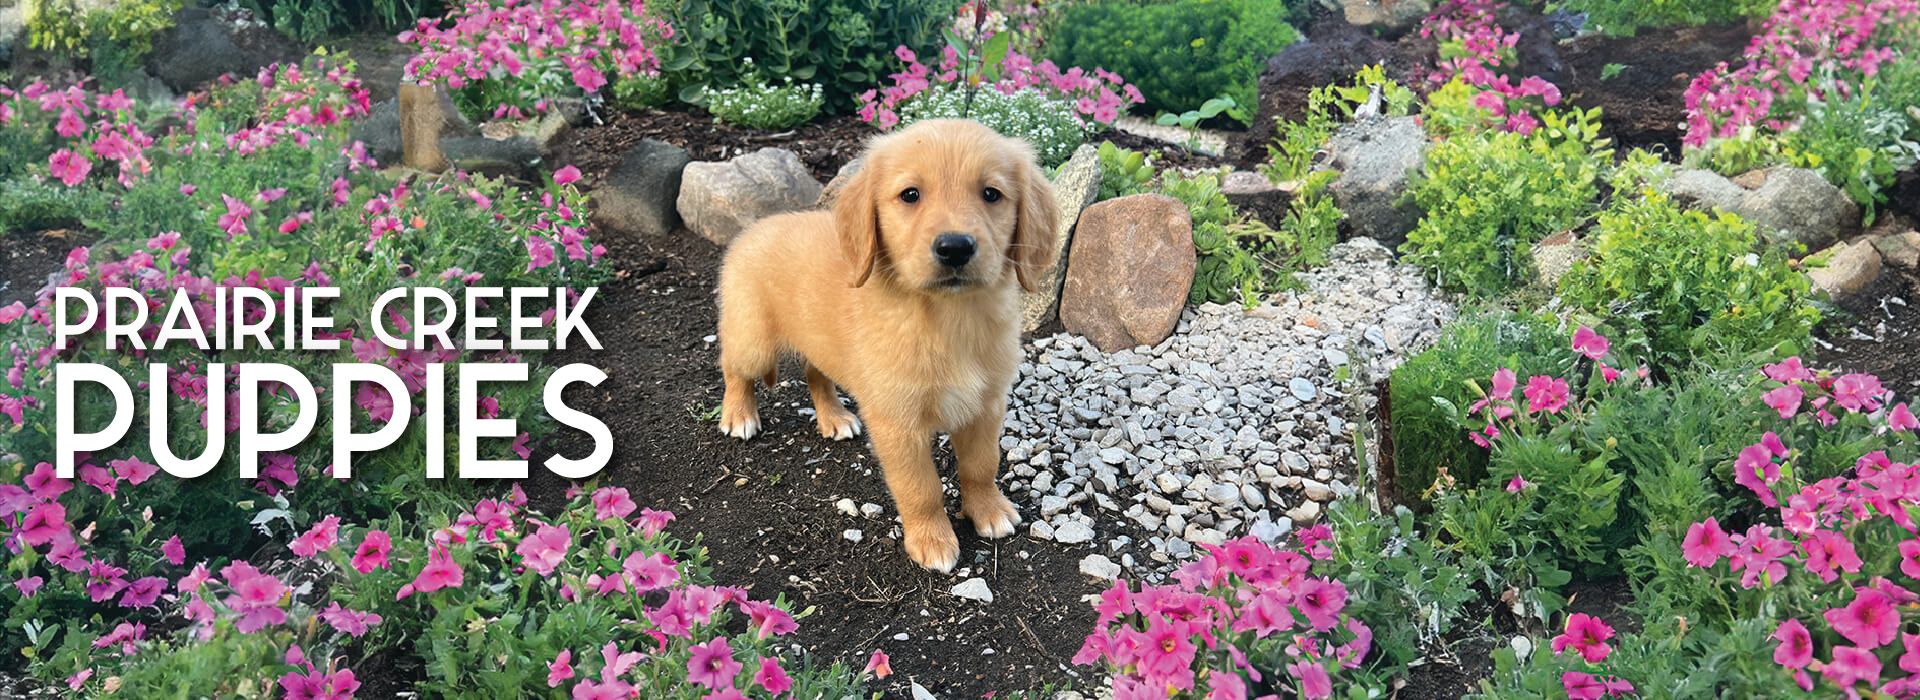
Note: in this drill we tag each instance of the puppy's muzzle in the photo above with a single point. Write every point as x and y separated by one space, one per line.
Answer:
953 250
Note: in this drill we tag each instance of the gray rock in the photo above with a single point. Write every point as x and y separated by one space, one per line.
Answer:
1786 205
854 535
1040 530
1074 532
1131 266
719 200
1303 388
202 45
641 194
1376 159
1900 250
974 589
839 182
1074 189
1850 269
1386 15
1100 567
515 158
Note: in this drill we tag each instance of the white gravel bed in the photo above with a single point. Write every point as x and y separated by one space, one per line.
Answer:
1237 424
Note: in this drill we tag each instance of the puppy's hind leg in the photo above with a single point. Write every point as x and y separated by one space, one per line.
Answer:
834 419
747 352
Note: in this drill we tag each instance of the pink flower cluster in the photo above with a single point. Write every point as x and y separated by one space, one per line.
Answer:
1474 48
90 129
1587 637
1243 610
1823 529
1807 49
1097 98
587 42
1543 395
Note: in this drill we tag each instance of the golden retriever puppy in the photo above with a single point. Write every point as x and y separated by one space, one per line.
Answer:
907 294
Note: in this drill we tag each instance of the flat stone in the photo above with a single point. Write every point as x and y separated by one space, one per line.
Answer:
1100 567
1850 269
974 589
1074 532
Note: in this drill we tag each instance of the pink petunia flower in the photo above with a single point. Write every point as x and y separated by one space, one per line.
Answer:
1586 635
372 553
1589 343
1870 621
319 538
1706 543
712 665
560 669
543 550
1795 648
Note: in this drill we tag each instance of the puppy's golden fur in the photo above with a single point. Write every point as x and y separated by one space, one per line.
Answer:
924 347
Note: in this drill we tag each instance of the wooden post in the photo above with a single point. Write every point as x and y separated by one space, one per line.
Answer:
421 121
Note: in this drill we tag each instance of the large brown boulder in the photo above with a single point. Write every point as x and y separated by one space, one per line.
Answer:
1128 271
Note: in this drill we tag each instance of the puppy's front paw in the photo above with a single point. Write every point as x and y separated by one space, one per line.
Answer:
992 514
841 425
740 423
933 545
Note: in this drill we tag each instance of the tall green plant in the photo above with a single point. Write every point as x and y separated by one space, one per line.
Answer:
845 46
1181 53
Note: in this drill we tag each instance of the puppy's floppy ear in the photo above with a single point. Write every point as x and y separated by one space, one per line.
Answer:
857 217
1037 226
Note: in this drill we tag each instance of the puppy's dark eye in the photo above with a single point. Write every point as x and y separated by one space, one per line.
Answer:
991 195
910 195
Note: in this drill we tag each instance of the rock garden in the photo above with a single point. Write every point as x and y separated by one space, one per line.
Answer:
1407 349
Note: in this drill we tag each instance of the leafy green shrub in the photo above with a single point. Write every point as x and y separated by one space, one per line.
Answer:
845 46
1122 171
1688 284
1180 53
1242 260
114 38
1490 195
1625 17
1049 125
1431 390
759 105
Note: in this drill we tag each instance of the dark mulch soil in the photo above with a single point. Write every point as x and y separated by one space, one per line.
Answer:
1878 335
1642 105
27 258
765 508
1165 155
824 144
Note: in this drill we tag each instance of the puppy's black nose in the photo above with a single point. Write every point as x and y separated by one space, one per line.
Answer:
953 249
